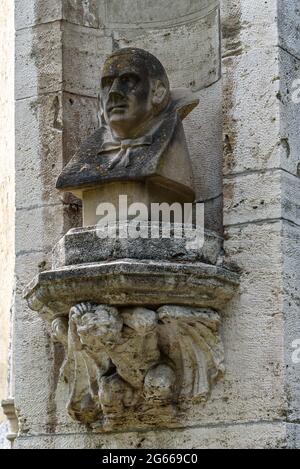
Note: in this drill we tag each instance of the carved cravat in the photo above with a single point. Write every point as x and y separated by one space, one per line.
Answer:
124 149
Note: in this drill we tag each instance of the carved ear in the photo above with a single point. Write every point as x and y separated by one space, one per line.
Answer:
101 118
159 93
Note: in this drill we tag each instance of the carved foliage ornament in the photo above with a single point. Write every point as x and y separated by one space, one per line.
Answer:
136 359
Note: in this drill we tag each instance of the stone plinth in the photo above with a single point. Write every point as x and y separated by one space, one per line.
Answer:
143 246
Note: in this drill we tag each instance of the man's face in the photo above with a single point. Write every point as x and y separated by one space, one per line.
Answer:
126 95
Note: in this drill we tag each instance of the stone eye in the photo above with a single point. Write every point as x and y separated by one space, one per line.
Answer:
106 82
129 79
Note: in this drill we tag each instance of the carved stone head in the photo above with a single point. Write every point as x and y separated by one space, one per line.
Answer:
99 326
134 90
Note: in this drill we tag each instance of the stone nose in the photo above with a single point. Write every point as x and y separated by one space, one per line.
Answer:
116 88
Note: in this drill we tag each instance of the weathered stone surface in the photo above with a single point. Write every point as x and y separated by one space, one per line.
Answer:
274 142
262 435
195 44
4 443
84 53
85 246
203 128
39 364
245 25
293 436
132 14
31 224
34 377
196 51
89 13
252 197
39 67
36 11
39 141
129 367
140 14
288 21
259 197
244 100
81 117
266 196
289 72
291 304
35 370
256 249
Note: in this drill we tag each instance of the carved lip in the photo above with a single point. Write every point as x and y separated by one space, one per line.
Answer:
116 108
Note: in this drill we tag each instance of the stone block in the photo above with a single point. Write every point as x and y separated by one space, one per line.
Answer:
80 119
34 12
251 111
38 229
253 386
291 304
84 52
38 150
203 128
28 266
85 246
261 196
293 436
289 102
90 13
245 25
196 46
133 14
37 365
261 435
252 197
288 23
34 371
142 15
290 198
252 327
4 443
38 60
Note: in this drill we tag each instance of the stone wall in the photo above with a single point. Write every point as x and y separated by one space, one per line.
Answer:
6 189
60 47
261 213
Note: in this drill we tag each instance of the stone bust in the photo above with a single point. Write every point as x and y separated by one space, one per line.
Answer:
141 137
